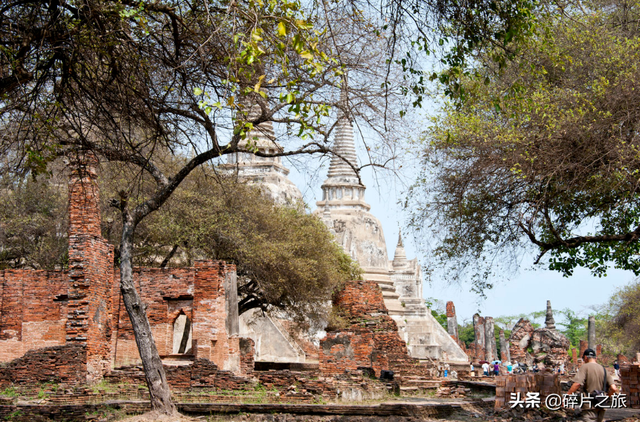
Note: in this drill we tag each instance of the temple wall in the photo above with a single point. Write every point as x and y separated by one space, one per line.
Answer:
33 311
47 316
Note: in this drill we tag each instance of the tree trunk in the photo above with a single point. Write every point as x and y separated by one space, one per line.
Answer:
159 390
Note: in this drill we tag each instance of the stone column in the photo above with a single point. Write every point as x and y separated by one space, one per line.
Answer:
549 321
592 332
574 356
598 350
452 320
583 347
478 328
505 356
491 352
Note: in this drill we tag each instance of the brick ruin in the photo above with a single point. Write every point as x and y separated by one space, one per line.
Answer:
370 338
506 385
484 346
526 345
547 344
71 325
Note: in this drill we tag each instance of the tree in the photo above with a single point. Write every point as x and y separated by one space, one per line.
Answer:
575 327
620 321
286 259
128 81
33 224
438 39
466 333
542 154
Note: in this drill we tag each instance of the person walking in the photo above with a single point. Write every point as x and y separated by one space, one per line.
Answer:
594 380
485 369
616 367
496 369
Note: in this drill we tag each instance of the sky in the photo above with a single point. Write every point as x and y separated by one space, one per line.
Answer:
524 292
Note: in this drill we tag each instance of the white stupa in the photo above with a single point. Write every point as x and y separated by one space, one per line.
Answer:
266 172
359 232
347 215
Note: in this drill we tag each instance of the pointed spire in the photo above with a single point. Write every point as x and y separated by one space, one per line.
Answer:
345 159
400 245
268 172
549 321
400 256
262 135
343 188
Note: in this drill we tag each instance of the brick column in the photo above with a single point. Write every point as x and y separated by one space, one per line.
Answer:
452 321
583 347
491 351
90 270
210 317
479 331
505 356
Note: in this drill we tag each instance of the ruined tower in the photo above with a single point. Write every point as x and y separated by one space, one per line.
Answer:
89 305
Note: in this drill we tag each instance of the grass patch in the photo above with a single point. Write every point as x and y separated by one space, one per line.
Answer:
10 392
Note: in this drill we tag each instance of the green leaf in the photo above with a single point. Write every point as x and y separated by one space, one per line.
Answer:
282 29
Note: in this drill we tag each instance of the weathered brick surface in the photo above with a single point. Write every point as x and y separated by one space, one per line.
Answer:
247 356
167 293
197 292
33 310
583 347
60 364
519 340
47 308
293 383
630 377
523 384
202 373
89 306
371 339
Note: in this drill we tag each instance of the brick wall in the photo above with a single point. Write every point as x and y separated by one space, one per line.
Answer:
167 293
59 364
83 306
198 293
630 377
523 384
202 373
521 333
33 311
247 356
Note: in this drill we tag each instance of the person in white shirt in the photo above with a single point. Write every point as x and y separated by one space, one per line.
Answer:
485 368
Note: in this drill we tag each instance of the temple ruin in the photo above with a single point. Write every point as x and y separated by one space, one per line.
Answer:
345 212
79 312
541 345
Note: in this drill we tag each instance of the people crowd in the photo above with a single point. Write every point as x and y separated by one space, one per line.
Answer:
497 367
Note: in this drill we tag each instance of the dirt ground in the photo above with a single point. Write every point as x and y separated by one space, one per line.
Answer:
624 415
